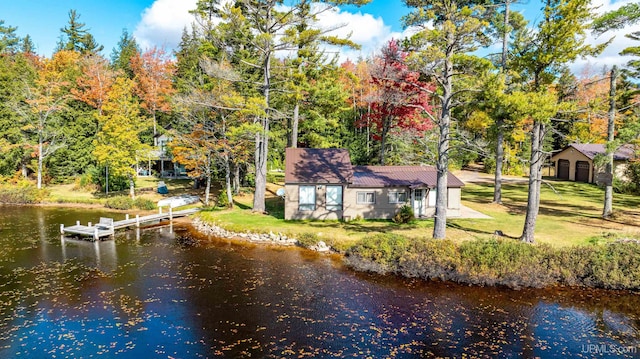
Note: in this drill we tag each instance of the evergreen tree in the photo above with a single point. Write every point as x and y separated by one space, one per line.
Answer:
9 41
538 56
75 37
125 50
450 30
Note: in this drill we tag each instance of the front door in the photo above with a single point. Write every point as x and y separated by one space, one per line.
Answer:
418 200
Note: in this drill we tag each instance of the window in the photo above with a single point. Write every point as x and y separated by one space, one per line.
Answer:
397 197
307 198
366 198
334 198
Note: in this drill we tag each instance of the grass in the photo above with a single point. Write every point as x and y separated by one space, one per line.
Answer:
569 215
145 187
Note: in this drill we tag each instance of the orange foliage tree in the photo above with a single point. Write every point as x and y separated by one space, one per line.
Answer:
153 73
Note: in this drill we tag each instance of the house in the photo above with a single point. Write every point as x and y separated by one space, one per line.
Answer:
323 184
159 160
576 161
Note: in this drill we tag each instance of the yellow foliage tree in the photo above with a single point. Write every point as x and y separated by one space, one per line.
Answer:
118 140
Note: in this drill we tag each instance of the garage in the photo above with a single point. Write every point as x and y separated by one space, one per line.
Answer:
582 171
563 169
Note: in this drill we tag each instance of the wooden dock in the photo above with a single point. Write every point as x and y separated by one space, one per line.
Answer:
107 226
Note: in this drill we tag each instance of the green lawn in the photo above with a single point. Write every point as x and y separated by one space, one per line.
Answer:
569 215
145 187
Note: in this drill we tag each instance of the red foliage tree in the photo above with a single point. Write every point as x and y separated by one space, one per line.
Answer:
401 99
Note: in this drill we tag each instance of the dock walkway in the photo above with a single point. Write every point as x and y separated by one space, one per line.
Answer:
107 226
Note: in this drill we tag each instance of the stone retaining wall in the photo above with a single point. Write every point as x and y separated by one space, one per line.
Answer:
212 229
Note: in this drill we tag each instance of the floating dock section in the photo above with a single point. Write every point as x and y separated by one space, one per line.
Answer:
107 226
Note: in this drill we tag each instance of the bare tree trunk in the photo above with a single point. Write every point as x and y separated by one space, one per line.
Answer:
442 162
497 188
132 187
383 139
227 180
294 125
236 179
262 139
608 189
535 179
207 189
40 162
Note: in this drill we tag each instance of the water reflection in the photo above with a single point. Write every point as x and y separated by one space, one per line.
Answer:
100 254
148 293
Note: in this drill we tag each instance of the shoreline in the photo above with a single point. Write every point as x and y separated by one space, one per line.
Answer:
443 260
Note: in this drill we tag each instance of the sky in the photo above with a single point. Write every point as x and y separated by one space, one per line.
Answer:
160 23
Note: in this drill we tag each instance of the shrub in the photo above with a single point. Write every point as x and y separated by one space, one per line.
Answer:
380 253
21 192
144 203
222 201
307 239
404 215
500 262
120 202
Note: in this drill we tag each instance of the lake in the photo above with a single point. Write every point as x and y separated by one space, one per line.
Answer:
154 293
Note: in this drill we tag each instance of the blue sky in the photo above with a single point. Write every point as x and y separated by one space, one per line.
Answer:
160 23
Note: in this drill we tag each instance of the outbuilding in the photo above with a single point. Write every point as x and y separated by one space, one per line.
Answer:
576 161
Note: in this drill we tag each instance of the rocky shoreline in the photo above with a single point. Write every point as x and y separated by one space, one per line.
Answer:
267 238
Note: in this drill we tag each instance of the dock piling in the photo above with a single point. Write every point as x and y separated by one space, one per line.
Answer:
126 216
62 229
170 214
96 235
89 225
77 223
137 220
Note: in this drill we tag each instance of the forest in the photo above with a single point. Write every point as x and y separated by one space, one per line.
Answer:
251 78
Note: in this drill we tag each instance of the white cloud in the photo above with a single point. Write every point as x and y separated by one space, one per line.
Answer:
611 55
370 32
162 23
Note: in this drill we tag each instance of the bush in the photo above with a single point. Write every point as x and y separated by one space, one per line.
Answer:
120 202
21 192
404 215
307 240
222 201
380 253
501 262
144 203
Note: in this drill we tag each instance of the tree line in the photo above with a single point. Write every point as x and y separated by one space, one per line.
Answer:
251 78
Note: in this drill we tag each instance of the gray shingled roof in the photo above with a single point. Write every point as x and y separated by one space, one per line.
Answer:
317 165
625 152
333 165
399 176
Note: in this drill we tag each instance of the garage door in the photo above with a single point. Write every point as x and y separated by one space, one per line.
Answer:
563 169
582 171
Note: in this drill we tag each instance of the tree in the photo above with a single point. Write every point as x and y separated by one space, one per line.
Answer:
75 37
121 56
401 99
9 41
17 75
262 23
118 144
449 30
153 75
44 100
95 83
560 38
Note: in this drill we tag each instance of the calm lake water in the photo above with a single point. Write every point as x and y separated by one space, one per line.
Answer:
153 296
